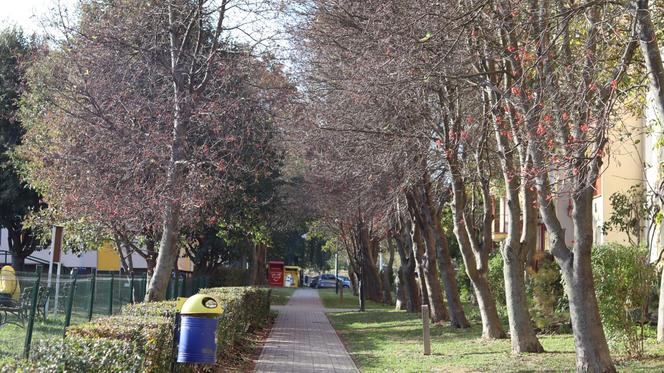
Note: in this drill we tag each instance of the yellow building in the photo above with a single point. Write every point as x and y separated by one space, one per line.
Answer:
623 168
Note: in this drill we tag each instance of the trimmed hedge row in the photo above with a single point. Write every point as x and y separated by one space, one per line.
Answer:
245 309
140 338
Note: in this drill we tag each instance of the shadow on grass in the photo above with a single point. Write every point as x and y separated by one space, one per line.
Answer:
383 340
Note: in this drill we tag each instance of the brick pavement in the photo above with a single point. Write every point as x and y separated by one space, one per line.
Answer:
303 341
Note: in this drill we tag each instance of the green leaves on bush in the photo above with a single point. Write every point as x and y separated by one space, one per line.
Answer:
140 339
623 280
78 355
548 303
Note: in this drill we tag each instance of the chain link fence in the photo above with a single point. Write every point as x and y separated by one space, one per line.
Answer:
42 311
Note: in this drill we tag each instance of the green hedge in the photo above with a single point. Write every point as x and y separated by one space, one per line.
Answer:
150 336
139 339
78 355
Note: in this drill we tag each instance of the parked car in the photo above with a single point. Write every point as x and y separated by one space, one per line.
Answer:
313 281
326 281
345 280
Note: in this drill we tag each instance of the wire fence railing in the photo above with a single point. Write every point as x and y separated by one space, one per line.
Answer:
42 312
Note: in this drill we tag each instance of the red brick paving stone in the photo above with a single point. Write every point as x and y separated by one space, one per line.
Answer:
303 341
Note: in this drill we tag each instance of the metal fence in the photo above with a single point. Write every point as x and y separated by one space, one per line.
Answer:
44 311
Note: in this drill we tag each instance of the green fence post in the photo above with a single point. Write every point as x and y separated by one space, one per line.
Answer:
131 288
33 310
110 297
184 286
70 302
93 286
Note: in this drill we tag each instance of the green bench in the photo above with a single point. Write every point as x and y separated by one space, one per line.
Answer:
17 312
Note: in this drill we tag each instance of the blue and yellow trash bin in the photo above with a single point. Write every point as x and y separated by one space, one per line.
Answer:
199 317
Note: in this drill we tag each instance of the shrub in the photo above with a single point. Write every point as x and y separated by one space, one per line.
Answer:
623 281
497 280
548 303
140 339
150 337
244 308
77 355
164 309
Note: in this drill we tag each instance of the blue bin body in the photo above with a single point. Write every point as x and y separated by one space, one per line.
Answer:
198 343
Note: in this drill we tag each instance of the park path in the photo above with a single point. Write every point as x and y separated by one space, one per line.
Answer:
303 341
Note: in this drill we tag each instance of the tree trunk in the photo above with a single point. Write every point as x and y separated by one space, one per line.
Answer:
171 218
21 243
418 252
475 263
408 282
18 262
388 274
253 267
448 274
653 59
419 205
660 311
652 56
261 274
592 352
400 304
515 253
362 291
371 284
522 333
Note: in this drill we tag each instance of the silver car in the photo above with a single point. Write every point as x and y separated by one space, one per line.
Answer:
326 281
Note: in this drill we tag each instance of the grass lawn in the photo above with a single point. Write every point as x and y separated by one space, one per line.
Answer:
331 300
12 337
280 296
387 341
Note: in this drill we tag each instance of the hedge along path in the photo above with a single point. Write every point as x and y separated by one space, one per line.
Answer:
303 340
139 338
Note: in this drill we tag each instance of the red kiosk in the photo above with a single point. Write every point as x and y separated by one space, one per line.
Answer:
275 273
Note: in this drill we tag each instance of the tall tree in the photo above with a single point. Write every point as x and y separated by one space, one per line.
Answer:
17 199
652 55
150 123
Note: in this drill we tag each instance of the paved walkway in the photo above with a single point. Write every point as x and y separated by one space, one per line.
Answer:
303 341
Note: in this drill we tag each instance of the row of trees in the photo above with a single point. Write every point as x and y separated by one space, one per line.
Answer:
415 106
163 141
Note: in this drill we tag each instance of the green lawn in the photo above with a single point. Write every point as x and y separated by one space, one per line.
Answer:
12 337
387 341
280 296
331 300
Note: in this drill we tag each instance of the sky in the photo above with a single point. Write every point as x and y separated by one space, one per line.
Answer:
27 13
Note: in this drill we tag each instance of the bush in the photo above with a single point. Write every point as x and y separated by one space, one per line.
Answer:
164 309
140 339
245 308
89 355
78 355
150 337
548 303
623 282
497 281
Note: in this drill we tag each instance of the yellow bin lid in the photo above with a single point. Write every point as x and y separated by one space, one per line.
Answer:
202 304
